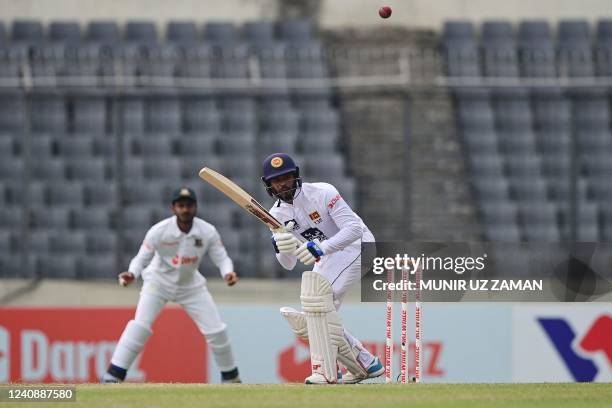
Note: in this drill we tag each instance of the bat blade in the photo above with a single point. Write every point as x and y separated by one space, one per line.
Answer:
235 193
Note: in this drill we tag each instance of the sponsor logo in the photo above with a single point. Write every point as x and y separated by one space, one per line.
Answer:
334 201
571 350
276 162
169 243
184 260
294 362
197 242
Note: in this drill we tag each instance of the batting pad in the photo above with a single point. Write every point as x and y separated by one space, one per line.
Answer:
318 303
130 344
296 320
347 355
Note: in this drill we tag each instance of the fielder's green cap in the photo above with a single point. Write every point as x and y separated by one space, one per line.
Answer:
184 193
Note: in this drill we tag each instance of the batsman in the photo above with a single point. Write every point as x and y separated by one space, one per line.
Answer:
332 233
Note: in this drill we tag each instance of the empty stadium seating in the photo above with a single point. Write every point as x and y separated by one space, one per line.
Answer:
91 171
518 141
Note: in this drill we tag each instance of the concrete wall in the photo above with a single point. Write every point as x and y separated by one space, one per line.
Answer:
334 13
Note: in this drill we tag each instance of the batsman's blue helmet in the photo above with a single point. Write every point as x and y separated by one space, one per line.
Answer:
276 165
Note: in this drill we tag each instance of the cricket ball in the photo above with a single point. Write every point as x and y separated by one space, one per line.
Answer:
385 11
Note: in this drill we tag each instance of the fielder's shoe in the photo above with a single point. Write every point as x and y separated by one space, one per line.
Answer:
110 379
376 369
230 377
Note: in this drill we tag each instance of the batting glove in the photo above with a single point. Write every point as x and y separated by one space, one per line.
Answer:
309 253
284 241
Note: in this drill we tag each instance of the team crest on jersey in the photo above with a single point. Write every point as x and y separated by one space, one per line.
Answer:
315 216
197 242
296 226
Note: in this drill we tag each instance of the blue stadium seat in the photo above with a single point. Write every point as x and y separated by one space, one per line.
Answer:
296 30
64 31
29 31
182 32
103 32
259 32
140 31
220 32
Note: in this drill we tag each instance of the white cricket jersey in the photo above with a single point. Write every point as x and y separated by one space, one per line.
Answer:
171 257
320 213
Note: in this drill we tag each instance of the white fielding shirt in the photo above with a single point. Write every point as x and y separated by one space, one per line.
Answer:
171 257
320 213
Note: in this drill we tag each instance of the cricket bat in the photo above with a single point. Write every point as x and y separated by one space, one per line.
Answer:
235 193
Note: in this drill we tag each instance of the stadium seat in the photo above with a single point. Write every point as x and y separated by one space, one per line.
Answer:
242 144
140 31
197 61
29 31
603 48
12 113
537 56
96 218
65 194
64 31
103 31
220 32
182 32
575 49
62 242
48 169
490 188
499 52
101 242
164 115
200 116
48 218
96 267
517 142
100 194
48 115
529 189
90 115
258 32
499 212
295 30
62 266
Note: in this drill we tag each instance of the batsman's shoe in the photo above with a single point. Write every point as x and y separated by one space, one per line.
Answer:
376 369
317 378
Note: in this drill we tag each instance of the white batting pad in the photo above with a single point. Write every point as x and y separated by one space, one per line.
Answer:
296 320
318 303
130 344
347 354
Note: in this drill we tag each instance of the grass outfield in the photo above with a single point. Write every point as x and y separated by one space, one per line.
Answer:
366 395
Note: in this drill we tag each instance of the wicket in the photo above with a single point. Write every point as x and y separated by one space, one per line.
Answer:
404 298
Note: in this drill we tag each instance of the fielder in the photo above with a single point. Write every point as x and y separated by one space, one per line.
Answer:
167 261
333 235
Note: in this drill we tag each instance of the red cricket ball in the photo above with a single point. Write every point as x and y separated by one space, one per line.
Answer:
385 11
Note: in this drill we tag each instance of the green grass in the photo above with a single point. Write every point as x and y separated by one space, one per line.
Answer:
354 396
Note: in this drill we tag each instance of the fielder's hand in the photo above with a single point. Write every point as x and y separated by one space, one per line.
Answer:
125 278
284 241
309 253
231 278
